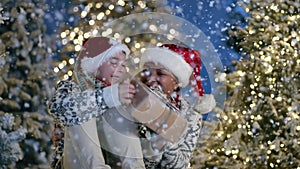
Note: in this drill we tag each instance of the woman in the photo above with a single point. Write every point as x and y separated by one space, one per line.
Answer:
168 69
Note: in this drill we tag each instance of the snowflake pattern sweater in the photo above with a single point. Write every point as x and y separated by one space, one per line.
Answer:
71 106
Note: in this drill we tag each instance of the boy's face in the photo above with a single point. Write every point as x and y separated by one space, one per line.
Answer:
111 70
157 76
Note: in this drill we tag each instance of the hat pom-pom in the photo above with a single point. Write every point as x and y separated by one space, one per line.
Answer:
205 103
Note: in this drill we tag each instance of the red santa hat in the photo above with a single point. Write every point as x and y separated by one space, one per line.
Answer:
193 58
97 50
183 62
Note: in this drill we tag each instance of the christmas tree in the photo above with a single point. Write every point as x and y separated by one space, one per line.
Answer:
259 125
24 123
90 17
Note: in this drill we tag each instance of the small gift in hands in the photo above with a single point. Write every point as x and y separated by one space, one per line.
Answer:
152 110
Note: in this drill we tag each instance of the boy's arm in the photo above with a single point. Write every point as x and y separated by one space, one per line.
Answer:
71 106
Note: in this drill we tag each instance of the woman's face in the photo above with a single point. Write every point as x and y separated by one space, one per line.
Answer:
156 76
111 70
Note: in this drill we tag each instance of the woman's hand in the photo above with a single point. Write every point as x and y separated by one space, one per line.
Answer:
126 92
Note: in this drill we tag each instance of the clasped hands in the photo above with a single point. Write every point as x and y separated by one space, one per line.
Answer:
126 92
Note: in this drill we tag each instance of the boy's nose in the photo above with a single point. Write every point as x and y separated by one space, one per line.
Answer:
121 69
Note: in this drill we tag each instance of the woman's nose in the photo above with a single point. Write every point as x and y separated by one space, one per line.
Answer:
153 77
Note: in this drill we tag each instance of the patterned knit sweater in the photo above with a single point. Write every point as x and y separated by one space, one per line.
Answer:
71 106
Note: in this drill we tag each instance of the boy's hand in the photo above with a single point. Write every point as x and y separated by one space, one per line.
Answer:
126 92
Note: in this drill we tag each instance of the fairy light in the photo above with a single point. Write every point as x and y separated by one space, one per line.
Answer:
269 69
127 40
107 12
56 69
76 41
153 41
259 117
172 31
83 14
71 61
64 41
111 7
278 99
86 35
241 73
170 37
252 105
98 5
70 73
251 31
267 17
75 9
237 83
121 2
61 65
80 39
63 35
141 4
95 32
275 38
72 35
159 44
137 45
91 22
143 50
153 28
117 35
136 60
274 7
66 77
89 5
77 48
100 16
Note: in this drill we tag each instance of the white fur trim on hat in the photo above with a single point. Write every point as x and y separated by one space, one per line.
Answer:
91 64
171 61
205 103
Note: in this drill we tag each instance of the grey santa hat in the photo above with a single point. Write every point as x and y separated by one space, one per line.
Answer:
97 50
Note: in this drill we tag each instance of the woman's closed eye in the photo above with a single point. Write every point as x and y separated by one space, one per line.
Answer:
160 73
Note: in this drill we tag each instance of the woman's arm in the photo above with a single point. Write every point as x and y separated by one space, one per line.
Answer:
175 155
179 155
71 106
